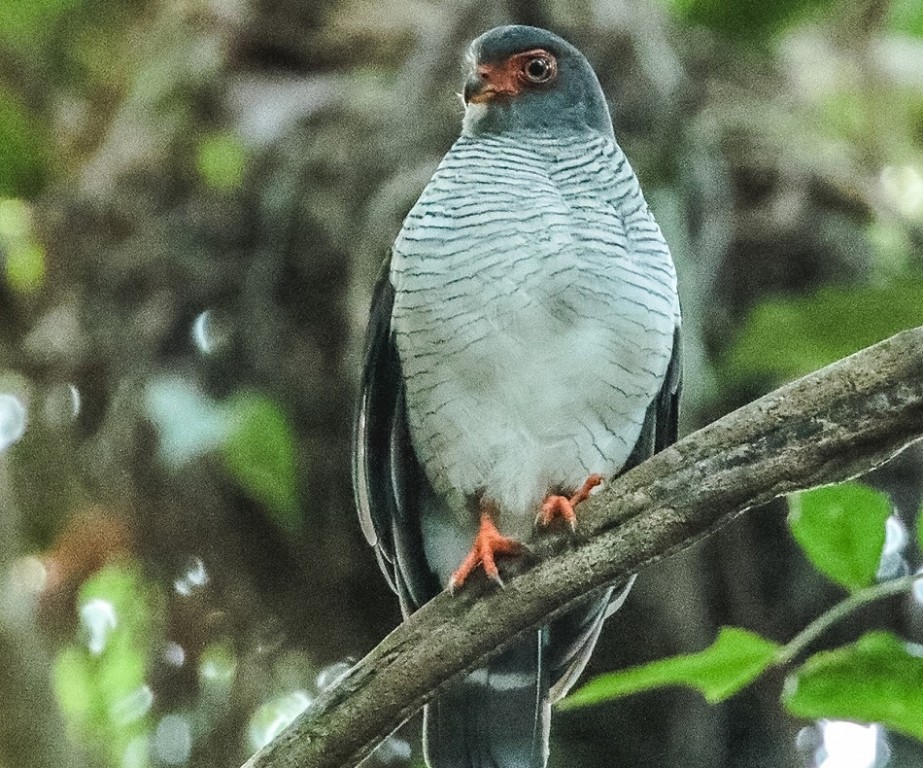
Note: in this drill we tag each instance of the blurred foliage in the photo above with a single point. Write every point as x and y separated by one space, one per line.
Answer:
251 432
25 257
222 161
823 328
195 196
906 16
101 679
23 151
274 716
260 454
746 21
919 528
24 23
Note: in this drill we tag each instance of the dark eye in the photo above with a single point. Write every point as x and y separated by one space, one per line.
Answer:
539 69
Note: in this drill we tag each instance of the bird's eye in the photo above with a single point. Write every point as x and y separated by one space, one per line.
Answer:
539 69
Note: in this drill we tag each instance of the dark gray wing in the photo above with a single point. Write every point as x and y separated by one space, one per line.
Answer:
661 422
667 403
388 482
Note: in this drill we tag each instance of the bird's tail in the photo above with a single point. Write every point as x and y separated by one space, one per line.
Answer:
497 717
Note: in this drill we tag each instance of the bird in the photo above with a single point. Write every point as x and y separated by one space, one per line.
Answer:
523 346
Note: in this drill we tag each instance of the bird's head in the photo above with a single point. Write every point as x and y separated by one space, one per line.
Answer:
526 78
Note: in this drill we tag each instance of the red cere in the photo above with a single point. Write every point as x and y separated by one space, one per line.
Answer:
499 79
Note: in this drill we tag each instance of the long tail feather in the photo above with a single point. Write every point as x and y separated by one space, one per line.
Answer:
497 717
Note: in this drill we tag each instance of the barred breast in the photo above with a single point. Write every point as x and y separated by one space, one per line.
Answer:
535 301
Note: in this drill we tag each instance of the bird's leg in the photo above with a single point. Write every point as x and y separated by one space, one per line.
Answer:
561 506
488 543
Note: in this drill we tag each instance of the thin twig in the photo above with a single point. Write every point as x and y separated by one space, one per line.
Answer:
794 647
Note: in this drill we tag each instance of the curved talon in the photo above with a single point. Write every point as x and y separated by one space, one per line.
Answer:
561 506
488 543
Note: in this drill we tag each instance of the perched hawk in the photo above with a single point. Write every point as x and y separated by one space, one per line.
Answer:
523 344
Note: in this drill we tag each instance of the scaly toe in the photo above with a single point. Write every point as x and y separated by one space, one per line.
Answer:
557 506
488 543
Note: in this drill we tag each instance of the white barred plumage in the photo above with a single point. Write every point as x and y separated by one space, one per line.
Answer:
535 304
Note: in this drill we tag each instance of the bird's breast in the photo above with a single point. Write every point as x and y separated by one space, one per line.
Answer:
531 337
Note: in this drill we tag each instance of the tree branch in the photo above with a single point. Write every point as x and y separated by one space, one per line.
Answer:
826 427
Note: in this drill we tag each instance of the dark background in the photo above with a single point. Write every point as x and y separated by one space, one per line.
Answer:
195 196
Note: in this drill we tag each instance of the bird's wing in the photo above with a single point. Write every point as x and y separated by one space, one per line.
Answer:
666 428
388 482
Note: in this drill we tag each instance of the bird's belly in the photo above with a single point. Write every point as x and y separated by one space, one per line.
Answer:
527 402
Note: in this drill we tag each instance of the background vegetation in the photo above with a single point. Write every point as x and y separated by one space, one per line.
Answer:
194 198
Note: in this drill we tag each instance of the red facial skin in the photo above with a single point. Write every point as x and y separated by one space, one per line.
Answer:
509 78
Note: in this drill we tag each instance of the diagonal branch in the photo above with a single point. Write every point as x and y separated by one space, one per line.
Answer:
826 427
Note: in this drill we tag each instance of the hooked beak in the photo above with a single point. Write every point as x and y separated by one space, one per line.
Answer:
475 87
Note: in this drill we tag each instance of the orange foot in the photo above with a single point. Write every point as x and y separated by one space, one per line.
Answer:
487 545
561 506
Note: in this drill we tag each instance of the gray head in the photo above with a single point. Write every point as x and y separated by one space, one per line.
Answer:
526 78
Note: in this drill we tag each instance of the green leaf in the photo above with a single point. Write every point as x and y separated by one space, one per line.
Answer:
24 149
735 659
260 454
786 338
875 680
73 685
25 267
841 529
25 259
222 161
